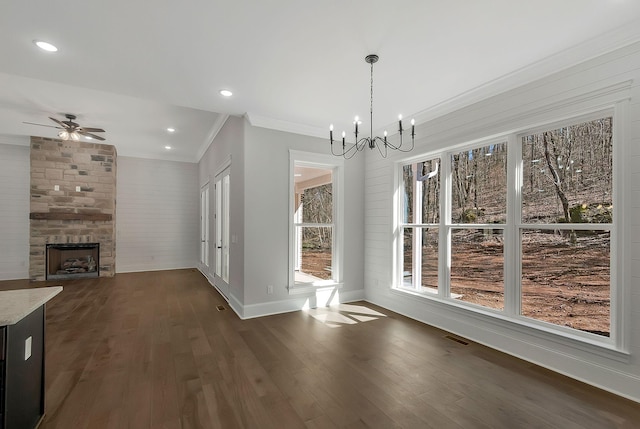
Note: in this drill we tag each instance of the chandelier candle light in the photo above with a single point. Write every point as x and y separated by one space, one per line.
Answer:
380 143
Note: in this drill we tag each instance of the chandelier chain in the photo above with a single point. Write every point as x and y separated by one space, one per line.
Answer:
371 104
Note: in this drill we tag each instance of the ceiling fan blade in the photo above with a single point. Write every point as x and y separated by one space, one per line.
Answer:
62 124
92 130
41 125
93 136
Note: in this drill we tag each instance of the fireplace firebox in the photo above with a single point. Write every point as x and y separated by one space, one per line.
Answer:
72 260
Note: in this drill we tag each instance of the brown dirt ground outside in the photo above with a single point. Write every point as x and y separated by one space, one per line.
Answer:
574 293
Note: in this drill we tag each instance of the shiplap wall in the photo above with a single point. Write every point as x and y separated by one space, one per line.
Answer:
14 210
538 102
157 215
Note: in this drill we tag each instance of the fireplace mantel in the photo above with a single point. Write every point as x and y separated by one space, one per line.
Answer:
70 216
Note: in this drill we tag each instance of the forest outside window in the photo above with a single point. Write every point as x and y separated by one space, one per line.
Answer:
567 221
479 213
528 236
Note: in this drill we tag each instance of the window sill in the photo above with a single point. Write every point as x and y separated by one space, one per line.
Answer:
545 331
310 288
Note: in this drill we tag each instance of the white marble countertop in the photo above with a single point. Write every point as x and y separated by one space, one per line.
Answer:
16 304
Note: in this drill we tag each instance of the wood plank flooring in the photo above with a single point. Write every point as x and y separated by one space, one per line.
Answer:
150 350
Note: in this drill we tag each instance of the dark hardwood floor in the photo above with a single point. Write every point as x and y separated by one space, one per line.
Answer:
150 350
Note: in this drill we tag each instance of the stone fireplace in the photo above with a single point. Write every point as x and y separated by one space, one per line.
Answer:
73 198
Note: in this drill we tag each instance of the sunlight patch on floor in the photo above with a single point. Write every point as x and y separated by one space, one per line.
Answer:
338 315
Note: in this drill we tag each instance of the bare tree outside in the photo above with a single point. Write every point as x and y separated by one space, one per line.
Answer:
568 173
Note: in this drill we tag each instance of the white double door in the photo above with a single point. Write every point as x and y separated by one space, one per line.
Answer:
220 224
221 217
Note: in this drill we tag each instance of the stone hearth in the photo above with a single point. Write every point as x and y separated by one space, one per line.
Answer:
73 198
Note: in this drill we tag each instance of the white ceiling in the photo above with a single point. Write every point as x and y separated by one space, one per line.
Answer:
137 67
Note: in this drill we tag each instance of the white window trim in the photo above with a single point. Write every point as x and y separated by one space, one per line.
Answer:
314 160
613 101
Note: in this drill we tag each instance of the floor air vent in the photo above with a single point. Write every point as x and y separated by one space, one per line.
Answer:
220 307
457 340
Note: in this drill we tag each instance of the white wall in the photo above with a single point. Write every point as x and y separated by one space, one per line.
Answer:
266 257
615 371
157 215
14 209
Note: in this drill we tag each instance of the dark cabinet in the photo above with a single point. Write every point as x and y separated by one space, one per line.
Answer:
22 372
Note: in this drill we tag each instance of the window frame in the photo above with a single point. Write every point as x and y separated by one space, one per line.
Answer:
616 345
336 165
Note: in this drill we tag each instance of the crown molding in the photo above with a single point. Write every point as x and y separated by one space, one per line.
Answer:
286 126
213 132
556 63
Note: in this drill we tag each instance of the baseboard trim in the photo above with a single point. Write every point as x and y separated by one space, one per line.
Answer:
582 368
298 303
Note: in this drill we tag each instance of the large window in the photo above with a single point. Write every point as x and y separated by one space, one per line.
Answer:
522 226
315 212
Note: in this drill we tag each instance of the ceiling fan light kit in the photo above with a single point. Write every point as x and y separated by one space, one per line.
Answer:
66 135
381 143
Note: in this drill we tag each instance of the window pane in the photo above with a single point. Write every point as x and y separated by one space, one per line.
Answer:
479 185
429 258
315 257
477 266
313 195
567 174
566 278
429 176
407 257
408 181
317 204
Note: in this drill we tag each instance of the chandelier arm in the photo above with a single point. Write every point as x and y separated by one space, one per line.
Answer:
344 153
393 146
349 153
333 152
406 150
380 146
363 143
344 149
399 147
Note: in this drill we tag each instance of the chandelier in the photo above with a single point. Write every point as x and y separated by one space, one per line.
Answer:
383 145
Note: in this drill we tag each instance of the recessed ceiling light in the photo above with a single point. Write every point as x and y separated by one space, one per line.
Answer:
171 130
226 93
45 46
88 137
167 147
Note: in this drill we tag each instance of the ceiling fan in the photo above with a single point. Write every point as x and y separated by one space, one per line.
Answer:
71 130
